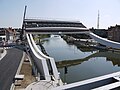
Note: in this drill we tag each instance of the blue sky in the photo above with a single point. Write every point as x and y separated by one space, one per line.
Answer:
85 11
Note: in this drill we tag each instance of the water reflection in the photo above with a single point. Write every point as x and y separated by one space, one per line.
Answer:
110 56
58 48
75 64
97 64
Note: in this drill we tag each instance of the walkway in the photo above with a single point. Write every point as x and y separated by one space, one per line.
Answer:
28 77
8 67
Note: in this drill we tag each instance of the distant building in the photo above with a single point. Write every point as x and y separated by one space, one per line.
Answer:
2 31
114 33
100 32
10 34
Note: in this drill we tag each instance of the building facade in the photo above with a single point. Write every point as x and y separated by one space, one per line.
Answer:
114 33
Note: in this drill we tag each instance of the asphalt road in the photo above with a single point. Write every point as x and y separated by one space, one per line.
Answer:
8 67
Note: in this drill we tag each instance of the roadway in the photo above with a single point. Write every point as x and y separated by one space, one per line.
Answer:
8 67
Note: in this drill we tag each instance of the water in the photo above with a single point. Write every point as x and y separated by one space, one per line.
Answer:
57 48
83 64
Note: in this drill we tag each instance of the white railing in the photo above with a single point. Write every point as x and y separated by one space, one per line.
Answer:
52 61
89 81
44 63
104 41
37 49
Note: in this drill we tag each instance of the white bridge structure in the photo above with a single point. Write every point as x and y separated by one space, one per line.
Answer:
45 67
36 26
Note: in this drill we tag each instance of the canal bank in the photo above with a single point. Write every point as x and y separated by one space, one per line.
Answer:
82 64
83 43
87 43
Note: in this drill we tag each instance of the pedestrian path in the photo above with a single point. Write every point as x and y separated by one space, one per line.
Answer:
8 67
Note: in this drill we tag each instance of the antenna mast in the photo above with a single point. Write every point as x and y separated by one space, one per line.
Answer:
22 32
98 20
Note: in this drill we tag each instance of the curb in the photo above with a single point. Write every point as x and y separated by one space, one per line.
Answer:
18 71
3 54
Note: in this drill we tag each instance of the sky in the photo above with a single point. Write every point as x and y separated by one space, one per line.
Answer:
85 11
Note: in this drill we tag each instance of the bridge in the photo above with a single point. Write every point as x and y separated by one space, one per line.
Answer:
53 27
44 66
37 26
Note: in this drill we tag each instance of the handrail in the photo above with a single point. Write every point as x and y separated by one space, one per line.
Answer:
33 50
45 67
52 61
104 41
43 55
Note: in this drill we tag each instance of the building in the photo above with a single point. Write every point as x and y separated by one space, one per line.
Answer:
114 33
2 31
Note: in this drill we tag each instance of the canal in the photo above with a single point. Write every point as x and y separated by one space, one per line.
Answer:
76 64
